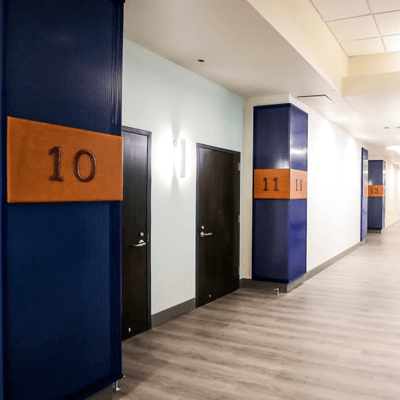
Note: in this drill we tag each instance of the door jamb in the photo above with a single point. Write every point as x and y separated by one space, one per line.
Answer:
222 150
148 216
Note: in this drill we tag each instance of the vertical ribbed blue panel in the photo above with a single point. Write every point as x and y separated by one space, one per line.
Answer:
376 205
279 225
364 199
297 238
62 330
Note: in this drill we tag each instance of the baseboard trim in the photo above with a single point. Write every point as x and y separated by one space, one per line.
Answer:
173 312
287 287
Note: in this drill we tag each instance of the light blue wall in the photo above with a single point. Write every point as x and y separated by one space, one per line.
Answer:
172 103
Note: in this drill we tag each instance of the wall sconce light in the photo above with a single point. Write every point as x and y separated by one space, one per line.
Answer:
179 158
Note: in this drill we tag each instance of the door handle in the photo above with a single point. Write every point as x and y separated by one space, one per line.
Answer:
202 234
140 244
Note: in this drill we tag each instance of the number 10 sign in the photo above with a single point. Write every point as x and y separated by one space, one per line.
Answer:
52 163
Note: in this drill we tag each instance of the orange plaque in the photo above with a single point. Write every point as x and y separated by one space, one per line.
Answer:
376 191
298 184
52 163
280 184
365 190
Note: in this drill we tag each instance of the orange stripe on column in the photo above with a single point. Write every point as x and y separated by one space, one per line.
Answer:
52 163
280 184
376 191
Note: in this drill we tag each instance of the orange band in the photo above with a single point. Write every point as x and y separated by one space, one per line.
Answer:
376 191
52 163
280 184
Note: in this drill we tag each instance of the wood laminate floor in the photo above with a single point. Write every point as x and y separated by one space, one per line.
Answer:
335 337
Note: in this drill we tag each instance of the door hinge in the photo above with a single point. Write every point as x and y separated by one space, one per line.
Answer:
239 219
148 238
239 166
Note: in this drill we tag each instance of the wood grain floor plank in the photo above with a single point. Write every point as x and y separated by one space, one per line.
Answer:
335 337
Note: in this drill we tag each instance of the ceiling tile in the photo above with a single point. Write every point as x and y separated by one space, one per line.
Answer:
388 23
364 46
378 6
392 43
354 28
339 9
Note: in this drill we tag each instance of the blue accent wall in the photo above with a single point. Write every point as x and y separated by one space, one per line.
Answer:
62 330
271 138
364 200
297 238
298 139
376 205
279 225
376 172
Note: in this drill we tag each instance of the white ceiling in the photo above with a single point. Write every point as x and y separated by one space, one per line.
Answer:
363 26
241 50
245 54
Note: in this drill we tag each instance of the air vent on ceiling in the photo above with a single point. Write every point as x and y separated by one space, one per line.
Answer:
318 99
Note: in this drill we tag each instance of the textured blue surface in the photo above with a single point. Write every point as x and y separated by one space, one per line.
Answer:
375 212
271 136
279 239
298 139
376 205
270 240
62 282
375 172
297 238
279 226
364 200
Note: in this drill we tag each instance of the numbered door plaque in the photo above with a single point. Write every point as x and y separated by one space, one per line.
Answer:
280 184
52 163
376 191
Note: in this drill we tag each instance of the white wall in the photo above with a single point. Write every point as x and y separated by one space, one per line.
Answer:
334 190
172 102
334 186
392 194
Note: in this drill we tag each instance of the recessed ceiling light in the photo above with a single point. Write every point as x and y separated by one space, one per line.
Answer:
200 60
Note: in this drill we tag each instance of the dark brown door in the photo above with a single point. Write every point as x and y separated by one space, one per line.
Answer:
136 233
217 237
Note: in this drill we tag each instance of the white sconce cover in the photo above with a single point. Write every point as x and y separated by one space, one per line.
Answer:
180 158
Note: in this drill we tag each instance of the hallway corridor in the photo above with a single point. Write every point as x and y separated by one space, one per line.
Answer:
335 337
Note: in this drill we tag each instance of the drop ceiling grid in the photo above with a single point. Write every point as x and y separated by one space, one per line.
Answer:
362 26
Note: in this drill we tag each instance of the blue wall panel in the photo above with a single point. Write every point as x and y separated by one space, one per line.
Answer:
364 200
62 283
270 240
376 205
279 225
297 238
375 214
271 143
298 139
375 172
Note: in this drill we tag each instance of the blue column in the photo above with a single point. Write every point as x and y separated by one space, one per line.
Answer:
280 225
376 199
364 194
61 261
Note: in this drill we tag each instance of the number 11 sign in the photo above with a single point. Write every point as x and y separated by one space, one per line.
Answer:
52 163
280 184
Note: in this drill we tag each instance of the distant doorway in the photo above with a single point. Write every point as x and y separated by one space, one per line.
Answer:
136 233
217 236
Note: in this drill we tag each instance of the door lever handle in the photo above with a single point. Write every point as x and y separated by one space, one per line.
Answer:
140 244
202 234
